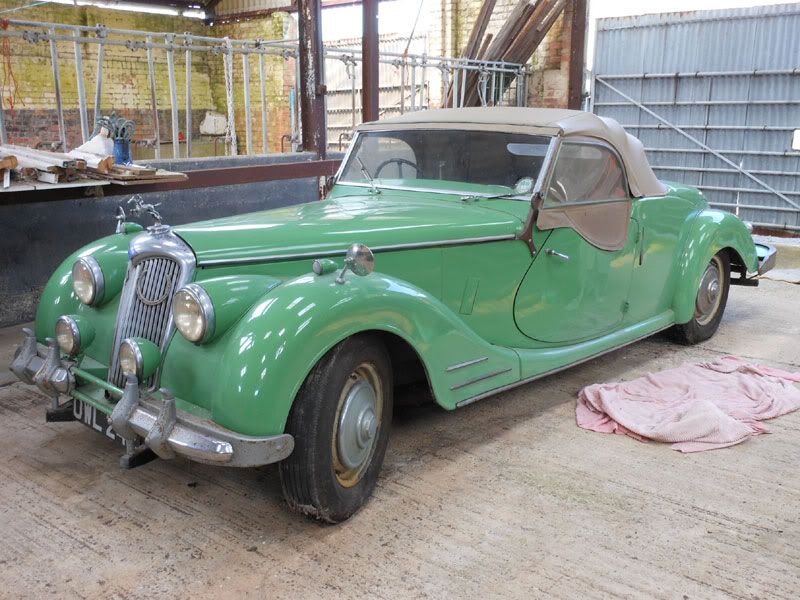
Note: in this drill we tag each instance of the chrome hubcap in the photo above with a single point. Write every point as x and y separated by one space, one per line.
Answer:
357 425
710 293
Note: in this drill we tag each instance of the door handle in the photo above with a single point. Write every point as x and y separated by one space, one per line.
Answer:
555 254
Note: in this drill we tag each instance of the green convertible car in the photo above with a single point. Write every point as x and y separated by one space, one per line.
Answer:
467 250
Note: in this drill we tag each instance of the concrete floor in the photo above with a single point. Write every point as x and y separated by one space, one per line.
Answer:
505 498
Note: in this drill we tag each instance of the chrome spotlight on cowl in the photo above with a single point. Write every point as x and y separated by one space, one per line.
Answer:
359 260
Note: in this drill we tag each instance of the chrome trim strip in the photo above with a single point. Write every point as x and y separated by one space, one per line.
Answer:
458 386
511 386
467 363
403 188
342 252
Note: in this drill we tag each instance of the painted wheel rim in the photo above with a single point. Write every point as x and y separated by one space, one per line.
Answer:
709 295
358 422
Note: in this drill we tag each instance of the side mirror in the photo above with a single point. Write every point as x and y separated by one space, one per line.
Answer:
359 259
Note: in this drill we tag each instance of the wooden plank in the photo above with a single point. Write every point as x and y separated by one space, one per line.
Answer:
94 161
8 161
57 159
472 46
161 177
478 29
28 162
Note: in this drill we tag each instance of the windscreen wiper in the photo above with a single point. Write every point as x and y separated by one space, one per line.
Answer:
368 177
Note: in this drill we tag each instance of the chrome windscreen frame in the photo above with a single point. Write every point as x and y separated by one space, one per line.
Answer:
337 177
537 196
159 241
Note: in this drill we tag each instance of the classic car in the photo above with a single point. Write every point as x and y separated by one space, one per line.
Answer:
464 250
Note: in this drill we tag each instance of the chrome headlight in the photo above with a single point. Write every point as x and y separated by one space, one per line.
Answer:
131 361
87 280
193 313
68 335
138 356
74 334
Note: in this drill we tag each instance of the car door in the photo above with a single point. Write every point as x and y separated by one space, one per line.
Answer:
578 284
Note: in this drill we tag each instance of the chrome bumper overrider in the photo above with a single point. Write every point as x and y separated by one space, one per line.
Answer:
156 424
768 262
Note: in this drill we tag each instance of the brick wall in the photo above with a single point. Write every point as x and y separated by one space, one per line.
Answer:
125 81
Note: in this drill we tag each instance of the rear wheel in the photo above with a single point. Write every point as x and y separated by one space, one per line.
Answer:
712 296
340 421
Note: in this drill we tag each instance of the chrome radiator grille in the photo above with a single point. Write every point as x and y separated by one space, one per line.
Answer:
145 308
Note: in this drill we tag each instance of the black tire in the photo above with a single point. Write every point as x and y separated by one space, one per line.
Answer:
705 323
315 479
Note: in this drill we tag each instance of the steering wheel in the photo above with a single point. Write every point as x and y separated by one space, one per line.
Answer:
400 162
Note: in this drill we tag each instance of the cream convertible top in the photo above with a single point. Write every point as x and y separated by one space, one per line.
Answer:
547 121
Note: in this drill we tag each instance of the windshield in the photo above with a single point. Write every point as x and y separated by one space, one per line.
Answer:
447 160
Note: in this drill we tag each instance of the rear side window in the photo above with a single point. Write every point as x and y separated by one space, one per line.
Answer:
585 172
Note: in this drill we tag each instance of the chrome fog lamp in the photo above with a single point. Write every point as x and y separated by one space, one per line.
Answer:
139 357
193 313
68 335
87 280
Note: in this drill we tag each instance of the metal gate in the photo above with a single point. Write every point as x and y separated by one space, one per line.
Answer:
715 98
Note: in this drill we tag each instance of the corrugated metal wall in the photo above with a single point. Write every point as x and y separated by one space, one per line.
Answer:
729 78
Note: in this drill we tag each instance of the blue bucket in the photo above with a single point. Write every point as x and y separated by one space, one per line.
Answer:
122 152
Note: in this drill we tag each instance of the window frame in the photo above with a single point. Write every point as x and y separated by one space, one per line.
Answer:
587 141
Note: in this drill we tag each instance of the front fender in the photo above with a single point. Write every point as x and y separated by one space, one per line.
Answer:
58 298
258 367
711 231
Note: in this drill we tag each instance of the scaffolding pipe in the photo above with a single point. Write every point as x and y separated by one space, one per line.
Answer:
62 130
188 103
264 124
81 92
227 60
248 125
173 105
151 73
98 88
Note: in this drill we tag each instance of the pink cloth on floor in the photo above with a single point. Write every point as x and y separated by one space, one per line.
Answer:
694 407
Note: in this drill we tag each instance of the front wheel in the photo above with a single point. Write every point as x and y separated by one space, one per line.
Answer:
340 421
712 296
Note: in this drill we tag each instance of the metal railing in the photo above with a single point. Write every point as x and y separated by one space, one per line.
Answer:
499 82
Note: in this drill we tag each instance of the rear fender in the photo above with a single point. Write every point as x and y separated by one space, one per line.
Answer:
269 353
712 231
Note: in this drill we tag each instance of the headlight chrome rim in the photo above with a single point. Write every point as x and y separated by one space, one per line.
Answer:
138 358
97 280
74 330
203 301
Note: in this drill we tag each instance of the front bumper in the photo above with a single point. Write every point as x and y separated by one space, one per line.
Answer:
144 420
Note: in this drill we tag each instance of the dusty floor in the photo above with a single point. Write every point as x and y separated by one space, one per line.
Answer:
505 498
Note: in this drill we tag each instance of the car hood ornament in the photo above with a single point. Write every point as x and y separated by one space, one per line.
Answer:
139 208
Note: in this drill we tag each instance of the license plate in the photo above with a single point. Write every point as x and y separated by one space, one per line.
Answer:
95 419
